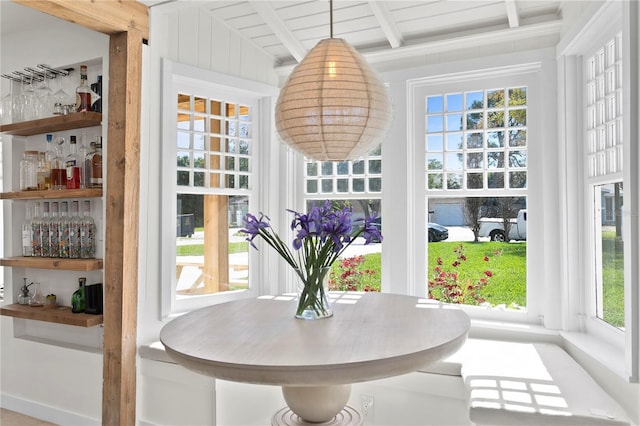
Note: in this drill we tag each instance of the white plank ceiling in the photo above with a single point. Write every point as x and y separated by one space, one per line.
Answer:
288 29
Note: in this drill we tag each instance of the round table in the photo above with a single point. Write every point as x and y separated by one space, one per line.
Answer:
370 336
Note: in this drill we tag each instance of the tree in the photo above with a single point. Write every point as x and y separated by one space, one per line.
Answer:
472 206
505 211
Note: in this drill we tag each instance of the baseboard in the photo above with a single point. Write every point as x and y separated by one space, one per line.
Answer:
45 412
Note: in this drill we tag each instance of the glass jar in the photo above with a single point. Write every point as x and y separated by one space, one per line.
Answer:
37 300
29 171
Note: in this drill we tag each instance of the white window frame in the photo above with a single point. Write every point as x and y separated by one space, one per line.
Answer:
617 350
500 77
350 176
188 79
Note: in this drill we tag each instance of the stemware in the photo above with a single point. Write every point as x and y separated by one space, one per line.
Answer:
26 98
5 109
43 93
17 104
60 98
7 102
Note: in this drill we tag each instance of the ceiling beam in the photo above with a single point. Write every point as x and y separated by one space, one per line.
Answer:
512 13
468 41
388 26
277 25
105 16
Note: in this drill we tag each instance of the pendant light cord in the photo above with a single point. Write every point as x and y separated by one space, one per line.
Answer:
331 18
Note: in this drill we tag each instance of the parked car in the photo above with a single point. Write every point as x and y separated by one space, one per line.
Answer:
493 228
436 232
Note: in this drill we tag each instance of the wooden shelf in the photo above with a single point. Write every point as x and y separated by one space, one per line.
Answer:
60 315
58 123
53 263
52 194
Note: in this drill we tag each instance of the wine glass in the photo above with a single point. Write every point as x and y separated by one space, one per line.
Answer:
27 97
7 103
60 97
43 94
17 102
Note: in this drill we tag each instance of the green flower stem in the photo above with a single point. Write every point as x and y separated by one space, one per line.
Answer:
312 295
311 264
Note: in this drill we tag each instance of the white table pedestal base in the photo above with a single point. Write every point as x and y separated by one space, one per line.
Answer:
324 405
349 416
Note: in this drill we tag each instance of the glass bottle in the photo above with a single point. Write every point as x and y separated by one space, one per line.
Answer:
96 165
78 301
41 172
29 171
83 92
37 300
44 230
54 231
58 170
87 233
63 230
36 240
27 249
74 232
72 164
97 89
49 156
87 164
83 150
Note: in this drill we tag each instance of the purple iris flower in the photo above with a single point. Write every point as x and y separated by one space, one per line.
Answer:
253 225
321 235
371 231
337 226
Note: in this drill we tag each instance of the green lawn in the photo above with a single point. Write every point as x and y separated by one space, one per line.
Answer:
507 264
612 279
198 249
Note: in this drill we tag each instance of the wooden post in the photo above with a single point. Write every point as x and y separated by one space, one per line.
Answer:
216 243
121 240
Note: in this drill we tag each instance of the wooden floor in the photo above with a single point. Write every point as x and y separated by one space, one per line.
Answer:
11 418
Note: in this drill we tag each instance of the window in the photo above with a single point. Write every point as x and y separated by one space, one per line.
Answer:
346 178
476 143
357 184
604 158
477 140
602 145
210 173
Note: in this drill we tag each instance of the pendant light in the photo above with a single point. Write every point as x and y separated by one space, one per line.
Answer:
333 106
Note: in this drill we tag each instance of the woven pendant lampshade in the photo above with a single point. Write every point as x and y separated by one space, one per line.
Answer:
333 107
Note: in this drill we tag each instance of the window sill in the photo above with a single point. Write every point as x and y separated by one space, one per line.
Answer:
600 354
155 352
606 355
513 331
